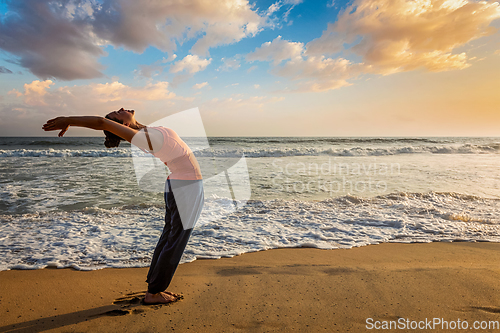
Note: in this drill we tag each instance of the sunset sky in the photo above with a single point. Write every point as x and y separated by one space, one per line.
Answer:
263 68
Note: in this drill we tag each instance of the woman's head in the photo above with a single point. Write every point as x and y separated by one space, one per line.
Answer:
124 117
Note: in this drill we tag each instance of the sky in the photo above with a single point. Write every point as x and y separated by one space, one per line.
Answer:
255 68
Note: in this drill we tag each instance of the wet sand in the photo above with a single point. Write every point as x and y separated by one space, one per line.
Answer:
302 290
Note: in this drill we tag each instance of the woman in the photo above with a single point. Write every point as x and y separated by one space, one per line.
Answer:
183 190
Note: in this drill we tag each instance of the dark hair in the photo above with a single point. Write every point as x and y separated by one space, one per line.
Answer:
112 140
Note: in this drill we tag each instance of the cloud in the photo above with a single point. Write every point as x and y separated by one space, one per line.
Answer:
329 43
45 41
117 91
41 100
313 73
136 24
256 86
252 69
148 71
190 63
277 51
239 103
200 85
317 74
401 35
65 39
15 92
229 64
4 70
154 69
170 58
34 92
276 7
390 36
273 8
39 94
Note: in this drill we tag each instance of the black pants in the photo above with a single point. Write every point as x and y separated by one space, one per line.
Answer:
172 241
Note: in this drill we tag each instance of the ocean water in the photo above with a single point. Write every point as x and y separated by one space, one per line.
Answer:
70 202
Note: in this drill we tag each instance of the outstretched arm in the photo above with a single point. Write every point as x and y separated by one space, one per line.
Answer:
92 122
103 124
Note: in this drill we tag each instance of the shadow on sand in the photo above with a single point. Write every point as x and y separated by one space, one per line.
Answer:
43 324
128 304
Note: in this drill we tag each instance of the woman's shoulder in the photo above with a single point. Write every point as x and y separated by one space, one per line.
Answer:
163 129
150 138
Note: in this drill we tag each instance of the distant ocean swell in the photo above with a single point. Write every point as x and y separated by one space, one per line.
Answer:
95 238
493 148
79 141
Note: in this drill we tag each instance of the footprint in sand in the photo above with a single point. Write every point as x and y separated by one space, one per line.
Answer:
489 309
130 299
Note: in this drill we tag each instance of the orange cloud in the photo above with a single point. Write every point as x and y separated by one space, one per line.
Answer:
36 93
118 91
402 35
33 92
390 36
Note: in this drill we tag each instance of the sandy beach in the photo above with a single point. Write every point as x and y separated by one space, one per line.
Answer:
302 290
309 166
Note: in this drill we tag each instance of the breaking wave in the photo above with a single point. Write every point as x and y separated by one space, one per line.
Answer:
493 148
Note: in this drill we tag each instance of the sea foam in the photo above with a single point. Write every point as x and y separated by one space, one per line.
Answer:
95 238
493 148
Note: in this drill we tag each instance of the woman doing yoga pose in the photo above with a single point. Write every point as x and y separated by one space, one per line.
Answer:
183 189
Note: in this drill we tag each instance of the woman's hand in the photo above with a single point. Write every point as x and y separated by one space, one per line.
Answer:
59 123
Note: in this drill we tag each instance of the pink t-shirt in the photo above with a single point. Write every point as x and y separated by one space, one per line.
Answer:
177 156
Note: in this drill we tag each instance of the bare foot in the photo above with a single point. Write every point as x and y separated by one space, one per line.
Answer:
159 298
172 294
